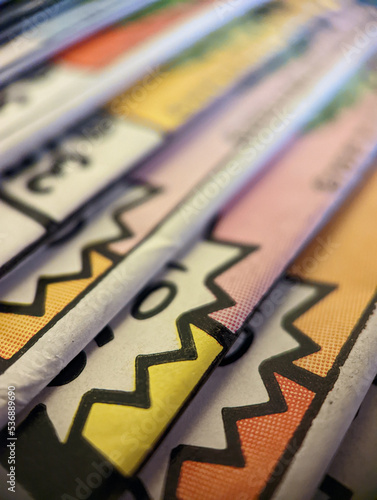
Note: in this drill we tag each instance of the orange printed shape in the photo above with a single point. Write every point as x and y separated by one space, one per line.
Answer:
263 441
101 50
343 255
17 329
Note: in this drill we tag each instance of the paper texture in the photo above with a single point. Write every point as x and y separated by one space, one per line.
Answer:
41 337
123 392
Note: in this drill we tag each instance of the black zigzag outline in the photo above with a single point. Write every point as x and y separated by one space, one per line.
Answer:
283 365
198 317
77 445
37 308
327 384
232 455
52 228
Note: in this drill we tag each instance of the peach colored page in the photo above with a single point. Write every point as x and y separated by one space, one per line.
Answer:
283 207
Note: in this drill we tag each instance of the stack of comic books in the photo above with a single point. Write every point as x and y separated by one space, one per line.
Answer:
188 273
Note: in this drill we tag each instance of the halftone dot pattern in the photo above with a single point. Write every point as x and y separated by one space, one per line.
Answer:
263 441
285 208
248 281
18 329
348 261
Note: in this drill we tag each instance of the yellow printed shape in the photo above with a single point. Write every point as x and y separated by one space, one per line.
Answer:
126 434
345 255
17 329
167 100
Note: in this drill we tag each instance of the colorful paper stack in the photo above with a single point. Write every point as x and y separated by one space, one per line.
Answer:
188 248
